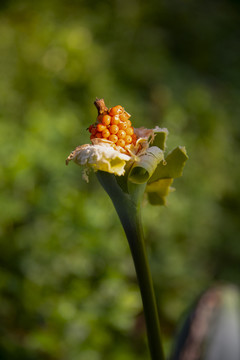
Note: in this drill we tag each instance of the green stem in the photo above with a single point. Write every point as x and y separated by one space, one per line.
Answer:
128 209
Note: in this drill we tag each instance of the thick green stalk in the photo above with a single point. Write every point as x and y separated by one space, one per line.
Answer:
133 229
128 209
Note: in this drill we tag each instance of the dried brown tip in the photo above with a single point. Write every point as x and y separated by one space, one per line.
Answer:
100 105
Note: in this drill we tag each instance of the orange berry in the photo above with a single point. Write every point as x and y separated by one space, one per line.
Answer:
98 135
128 122
116 110
100 127
113 138
121 134
120 142
128 139
106 120
113 129
105 133
90 128
123 126
129 131
115 120
93 131
124 116
134 138
99 117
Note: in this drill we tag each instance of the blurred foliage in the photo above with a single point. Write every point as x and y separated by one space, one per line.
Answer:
68 287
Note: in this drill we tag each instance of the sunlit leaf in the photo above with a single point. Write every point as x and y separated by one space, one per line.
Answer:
172 166
143 169
160 138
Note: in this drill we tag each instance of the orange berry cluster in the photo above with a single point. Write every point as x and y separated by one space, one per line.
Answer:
114 125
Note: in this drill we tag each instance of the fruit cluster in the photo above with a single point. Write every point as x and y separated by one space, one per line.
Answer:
114 125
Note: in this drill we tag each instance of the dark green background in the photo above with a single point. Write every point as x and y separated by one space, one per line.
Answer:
68 287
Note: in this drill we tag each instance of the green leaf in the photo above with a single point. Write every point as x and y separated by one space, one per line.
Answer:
158 190
172 166
160 136
155 199
145 166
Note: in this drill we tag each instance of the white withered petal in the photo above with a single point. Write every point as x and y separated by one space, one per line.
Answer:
100 157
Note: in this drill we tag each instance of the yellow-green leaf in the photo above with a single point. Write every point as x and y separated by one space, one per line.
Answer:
172 166
145 166
160 136
160 186
158 190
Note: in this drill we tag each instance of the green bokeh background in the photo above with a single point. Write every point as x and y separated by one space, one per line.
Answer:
68 286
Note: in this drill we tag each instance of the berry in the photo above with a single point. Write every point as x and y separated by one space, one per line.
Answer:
128 139
106 120
116 110
113 129
113 138
121 134
120 142
128 122
90 128
98 135
115 120
94 131
124 116
134 139
129 131
100 127
123 126
99 118
105 133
